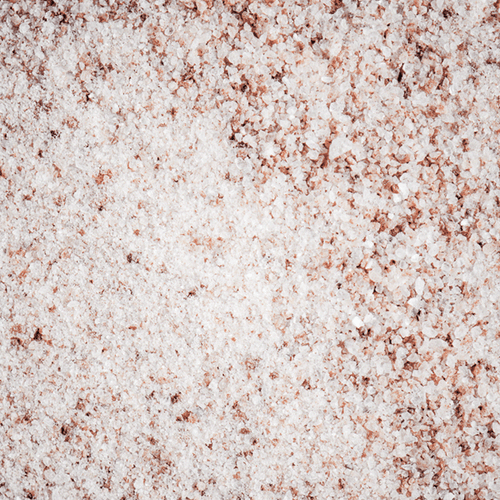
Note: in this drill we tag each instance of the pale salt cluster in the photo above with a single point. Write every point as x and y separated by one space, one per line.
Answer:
249 250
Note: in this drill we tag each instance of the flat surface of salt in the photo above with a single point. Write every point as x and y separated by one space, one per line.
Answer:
249 250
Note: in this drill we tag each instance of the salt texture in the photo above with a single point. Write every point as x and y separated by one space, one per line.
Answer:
249 249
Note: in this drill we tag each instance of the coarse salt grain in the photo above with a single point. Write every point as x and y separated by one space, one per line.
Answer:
357 322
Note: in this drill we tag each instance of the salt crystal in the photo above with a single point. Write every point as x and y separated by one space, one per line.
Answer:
339 146
429 331
419 285
403 188
357 322
24 28
489 248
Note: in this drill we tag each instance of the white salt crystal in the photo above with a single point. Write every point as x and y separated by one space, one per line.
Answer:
403 189
339 146
419 285
368 318
335 48
400 253
429 331
24 28
357 322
